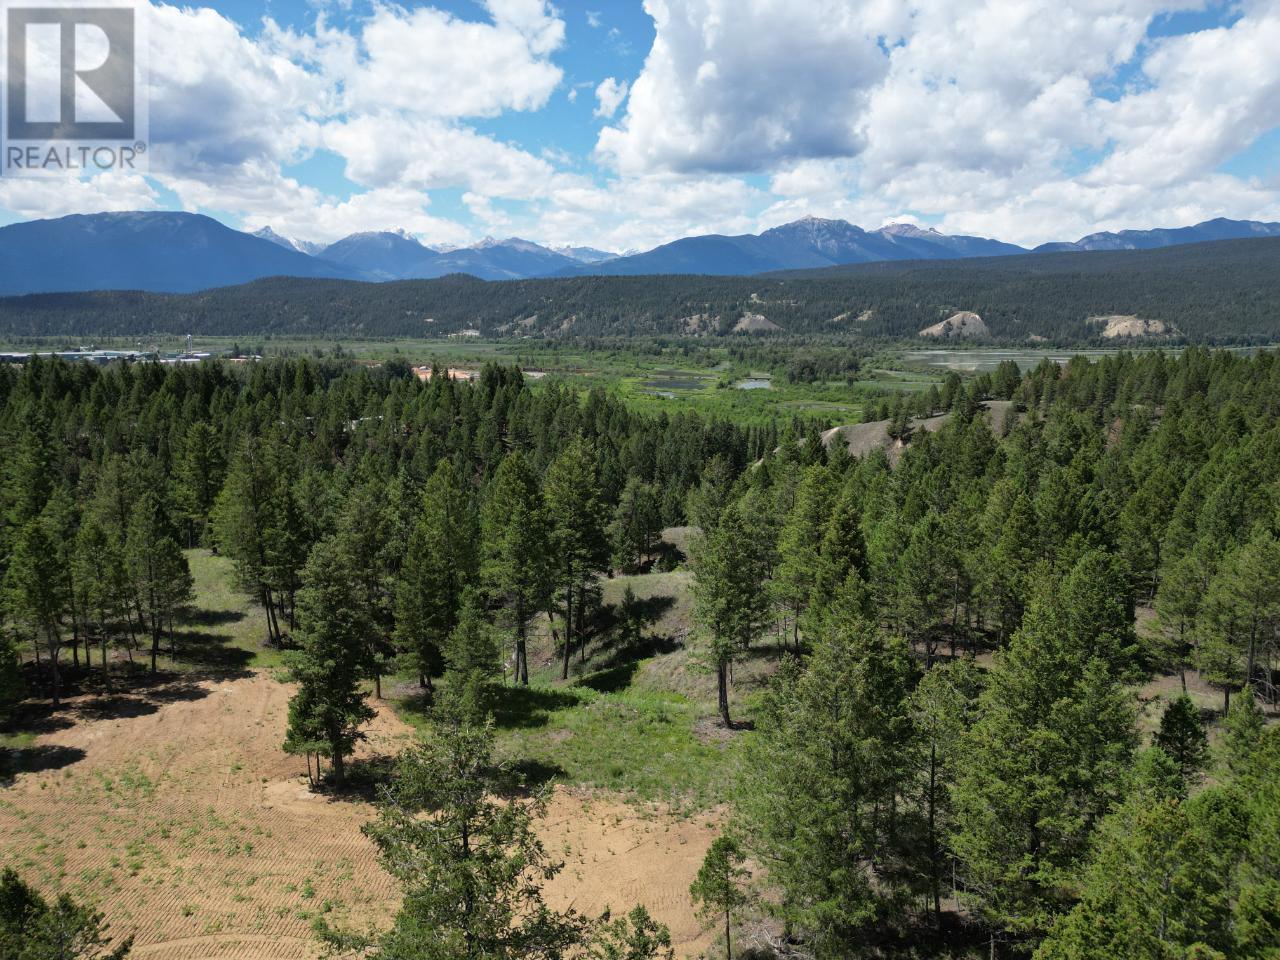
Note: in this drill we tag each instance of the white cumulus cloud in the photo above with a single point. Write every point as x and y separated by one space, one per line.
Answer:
609 96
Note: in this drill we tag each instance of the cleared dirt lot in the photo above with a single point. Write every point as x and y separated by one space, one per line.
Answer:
176 810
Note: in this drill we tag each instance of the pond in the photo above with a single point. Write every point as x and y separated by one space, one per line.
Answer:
675 383
985 361
754 383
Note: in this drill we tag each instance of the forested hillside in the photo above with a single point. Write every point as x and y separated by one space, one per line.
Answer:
948 754
1218 292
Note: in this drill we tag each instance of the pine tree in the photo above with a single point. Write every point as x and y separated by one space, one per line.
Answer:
830 767
717 889
637 522
730 603
1042 763
842 554
98 569
332 657
1241 613
1256 914
515 566
713 493
198 476
1157 886
943 706
1183 583
579 545
157 570
1006 571
636 936
61 519
1183 738
33 929
473 657
246 518
10 675
27 476
1241 731
467 858
440 561
36 596
366 534
921 595
799 545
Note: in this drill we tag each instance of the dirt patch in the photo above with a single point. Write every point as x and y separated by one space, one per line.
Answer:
194 831
962 325
755 323
1118 326
189 826
862 438
617 855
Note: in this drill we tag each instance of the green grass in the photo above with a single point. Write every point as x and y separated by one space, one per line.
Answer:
641 721
601 732
226 629
642 741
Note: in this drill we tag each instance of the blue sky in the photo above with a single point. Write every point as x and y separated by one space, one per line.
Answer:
624 124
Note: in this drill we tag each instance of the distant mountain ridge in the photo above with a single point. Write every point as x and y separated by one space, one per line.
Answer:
302 246
175 252
152 251
808 243
400 256
1217 229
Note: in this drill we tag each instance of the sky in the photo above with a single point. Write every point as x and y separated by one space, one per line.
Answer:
622 124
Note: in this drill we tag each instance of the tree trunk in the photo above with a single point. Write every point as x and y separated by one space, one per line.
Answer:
53 661
1252 658
522 658
339 763
934 880
728 938
581 627
273 624
722 682
155 643
568 630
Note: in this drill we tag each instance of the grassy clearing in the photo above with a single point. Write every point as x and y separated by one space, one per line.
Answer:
603 734
600 731
226 629
641 719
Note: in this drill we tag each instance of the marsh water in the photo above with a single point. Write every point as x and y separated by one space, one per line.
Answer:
984 361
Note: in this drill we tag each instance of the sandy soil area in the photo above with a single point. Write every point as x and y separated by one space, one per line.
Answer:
176 810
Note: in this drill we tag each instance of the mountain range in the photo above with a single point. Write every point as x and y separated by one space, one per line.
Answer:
805 244
173 252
